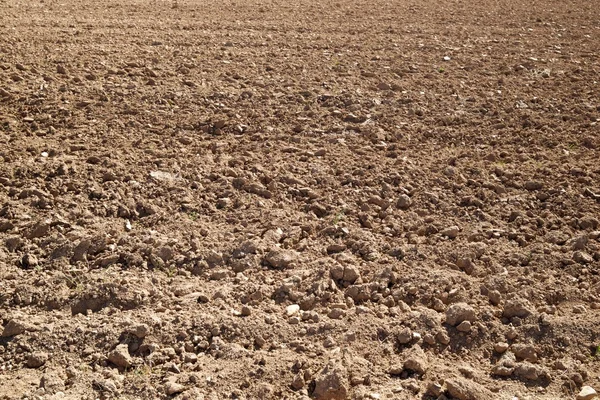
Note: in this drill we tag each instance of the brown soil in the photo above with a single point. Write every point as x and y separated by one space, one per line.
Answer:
292 199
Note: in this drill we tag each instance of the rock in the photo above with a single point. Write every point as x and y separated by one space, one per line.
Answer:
517 308
172 388
450 232
347 274
579 243
52 382
495 297
107 261
81 250
280 258
336 248
466 371
29 261
191 358
586 393
331 383
466 264
120 356
557 237
512 334
533 185
13 328
292 309
501 370
258 189
464 326
351 274
384 86
508 359
163 176
434 389
404 202
245 248
38 230
459 312
329 342
336 313
404 336
442 338
429 339
525 352
582 257
246 311
579 309
219 274
298 382
337 272
589 222
464 389
61 69
4 93
140 330
416 361
105 385
561 365
37 359
528 371
500 347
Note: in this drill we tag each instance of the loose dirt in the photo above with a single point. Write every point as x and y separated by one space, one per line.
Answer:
299 199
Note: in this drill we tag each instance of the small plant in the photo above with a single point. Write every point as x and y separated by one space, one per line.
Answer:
340 216
74 281
143 371
572 146
193 215
83 367
171 271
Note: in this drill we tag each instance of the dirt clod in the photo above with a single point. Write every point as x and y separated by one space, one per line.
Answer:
517 308
460 312
464 389
13 328
37 359
172 388
280 258
120 356
331 383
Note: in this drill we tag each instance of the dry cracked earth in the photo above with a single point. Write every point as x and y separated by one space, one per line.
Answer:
299 199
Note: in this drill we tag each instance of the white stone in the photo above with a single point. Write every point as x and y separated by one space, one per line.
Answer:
587 393
292 309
